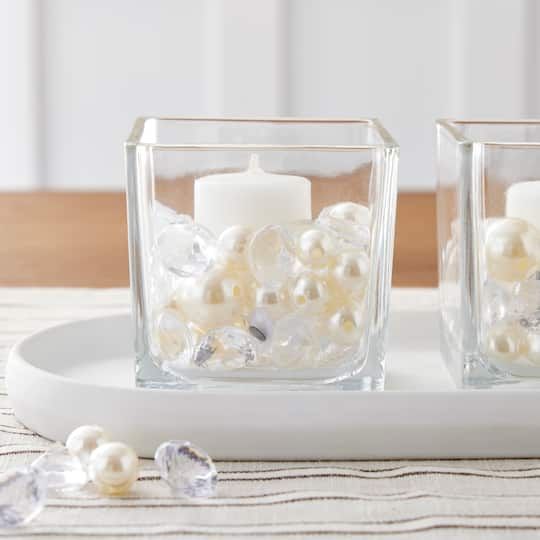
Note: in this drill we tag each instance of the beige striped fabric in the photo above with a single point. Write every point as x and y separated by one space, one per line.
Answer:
382 499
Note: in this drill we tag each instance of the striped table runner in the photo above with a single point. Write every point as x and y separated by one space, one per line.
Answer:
385 499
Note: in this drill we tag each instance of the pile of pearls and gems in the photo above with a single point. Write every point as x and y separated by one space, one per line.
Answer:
283 296
512 291
112 467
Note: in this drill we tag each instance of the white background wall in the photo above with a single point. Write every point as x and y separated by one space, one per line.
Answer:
75 73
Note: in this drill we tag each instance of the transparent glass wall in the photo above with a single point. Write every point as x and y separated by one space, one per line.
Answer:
260 251
489 250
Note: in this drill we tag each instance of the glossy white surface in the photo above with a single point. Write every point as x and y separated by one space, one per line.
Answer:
82 373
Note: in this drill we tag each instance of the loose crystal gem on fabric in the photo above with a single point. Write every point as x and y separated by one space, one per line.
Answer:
23 494
188 470
61 470
226 348
187 249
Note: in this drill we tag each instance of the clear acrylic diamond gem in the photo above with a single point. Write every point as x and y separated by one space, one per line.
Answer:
187 249
189 471
165 215
226 348
271 255
350 221
174 342
22 496
496 302
295 343
526 303
61 470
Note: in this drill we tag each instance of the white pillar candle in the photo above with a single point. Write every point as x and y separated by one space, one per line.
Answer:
523 202
251 198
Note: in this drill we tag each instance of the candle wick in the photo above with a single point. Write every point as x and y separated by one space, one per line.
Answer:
254 163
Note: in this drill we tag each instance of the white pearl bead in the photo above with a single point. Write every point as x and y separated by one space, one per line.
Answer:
349 211
506 341
315 247
352 271
232 245
275 300
533 348
214 299
511 245
347 324
309 291
82 441
113 468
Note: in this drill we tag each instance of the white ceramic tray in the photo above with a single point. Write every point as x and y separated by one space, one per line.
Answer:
82 372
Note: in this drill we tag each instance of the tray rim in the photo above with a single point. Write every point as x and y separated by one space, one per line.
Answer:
16 359
285 424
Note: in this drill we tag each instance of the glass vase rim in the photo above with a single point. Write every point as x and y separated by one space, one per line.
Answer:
387 141
451 125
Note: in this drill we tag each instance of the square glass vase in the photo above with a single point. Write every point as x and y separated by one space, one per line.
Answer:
260 251
488 213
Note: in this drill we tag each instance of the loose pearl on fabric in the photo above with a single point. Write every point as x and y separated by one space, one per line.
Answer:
82 441
507 341
309 291
511 245
232 246
347 324
315 247
113 468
